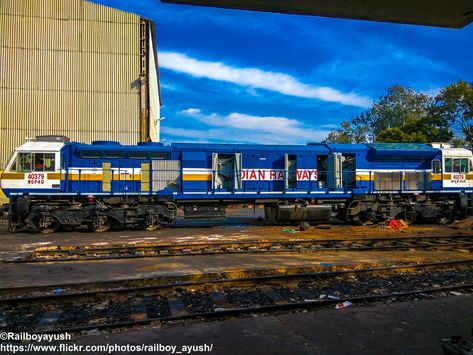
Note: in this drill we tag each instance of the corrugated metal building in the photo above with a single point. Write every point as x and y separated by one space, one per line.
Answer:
76 68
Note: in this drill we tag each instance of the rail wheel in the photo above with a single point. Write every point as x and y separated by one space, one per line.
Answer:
151 223
12 228
366 218
409 216
99 224
152 227
47 224
445 219
12 224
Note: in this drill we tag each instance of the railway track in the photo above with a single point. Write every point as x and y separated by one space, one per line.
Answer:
127 307
74 253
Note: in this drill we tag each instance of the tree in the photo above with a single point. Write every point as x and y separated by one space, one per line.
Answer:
347 133
399 106
454 104
423 130
402 115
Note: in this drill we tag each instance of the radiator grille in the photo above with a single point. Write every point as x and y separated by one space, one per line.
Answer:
166 175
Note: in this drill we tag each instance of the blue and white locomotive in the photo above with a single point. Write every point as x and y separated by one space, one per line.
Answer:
52 182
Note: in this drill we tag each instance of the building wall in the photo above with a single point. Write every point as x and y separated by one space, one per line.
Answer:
154 98
68 67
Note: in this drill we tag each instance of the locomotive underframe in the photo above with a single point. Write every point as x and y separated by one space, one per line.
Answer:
99 214
369 209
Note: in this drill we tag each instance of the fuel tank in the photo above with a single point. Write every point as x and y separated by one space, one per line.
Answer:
298 213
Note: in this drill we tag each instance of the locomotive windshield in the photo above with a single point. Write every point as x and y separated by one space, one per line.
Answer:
26 162
458 165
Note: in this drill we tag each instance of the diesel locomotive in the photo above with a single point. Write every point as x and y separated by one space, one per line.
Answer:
52 183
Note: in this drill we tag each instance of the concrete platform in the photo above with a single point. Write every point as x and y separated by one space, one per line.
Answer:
408 328
191 267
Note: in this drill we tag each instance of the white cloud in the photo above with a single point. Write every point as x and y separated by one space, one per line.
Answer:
243 128
191 111
243 121
257 78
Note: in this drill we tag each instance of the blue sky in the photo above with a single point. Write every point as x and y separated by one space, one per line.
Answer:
254 77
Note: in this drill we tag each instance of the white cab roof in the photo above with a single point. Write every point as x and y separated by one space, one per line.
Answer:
40 147
456 152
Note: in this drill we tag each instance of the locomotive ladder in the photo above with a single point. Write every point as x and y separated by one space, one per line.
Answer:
469 205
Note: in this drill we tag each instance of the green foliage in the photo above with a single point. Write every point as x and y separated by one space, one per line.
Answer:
347 133
454 104
422 130
396 135
404 116
399 106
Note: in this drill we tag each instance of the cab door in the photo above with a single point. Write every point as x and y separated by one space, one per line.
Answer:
335 172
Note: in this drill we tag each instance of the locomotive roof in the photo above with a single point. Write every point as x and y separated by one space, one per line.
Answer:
374 149
317 147
108 145
403 146
379 148
406 150
35 146
247 147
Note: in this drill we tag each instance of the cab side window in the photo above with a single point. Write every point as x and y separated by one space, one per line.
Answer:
44 162
456 165
460 165
436 167
24 162
13 165
463 165
448 165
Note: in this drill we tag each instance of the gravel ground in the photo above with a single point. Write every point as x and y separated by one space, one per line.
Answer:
120 308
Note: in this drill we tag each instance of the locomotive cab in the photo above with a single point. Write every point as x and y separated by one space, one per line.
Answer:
34 167
455 167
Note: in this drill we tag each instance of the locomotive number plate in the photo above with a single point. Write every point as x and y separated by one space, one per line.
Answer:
35 179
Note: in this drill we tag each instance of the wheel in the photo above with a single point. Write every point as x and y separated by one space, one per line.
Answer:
13 225
151 223
409 216
366 218
445 219
12 228
153 227
47 224
99 224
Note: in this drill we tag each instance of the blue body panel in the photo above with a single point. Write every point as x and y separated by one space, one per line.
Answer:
79 163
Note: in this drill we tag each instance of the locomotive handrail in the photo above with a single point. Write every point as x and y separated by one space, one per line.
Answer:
261 181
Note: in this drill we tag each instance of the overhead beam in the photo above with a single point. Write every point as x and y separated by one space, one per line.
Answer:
439 13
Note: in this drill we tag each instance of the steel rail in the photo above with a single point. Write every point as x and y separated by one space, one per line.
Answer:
256 279
249 242
315 245
258 309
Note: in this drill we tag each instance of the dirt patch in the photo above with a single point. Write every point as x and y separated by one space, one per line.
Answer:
465 224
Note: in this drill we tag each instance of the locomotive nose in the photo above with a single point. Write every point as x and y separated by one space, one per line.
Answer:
3 198
1 184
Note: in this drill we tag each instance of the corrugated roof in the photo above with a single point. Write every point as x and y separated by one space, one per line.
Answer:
442 13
